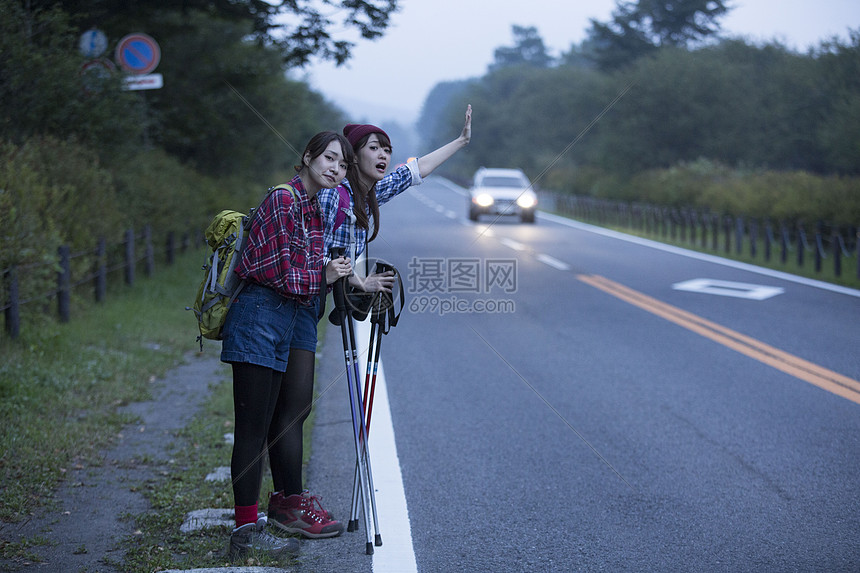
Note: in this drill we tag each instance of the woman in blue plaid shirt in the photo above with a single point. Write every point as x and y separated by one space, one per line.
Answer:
373 188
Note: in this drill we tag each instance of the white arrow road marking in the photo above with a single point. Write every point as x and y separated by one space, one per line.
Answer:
728 288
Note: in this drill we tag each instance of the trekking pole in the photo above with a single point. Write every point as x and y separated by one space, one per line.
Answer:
377 329
363 435
364 482
380 323
352 525
383 317
370 378
369 390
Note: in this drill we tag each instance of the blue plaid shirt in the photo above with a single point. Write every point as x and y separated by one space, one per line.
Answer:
349 235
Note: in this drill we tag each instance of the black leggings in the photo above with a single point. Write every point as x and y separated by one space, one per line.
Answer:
270 408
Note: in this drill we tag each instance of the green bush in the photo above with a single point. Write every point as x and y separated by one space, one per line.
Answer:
54 192
707 185
155 189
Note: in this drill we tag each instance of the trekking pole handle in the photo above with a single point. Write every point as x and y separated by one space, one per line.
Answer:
383 267
338 288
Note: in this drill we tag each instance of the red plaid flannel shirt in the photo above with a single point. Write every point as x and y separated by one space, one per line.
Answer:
282 253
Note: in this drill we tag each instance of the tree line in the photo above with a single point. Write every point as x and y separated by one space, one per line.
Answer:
649 109
81 157
654 105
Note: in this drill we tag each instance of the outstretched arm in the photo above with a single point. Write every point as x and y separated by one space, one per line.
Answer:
428 163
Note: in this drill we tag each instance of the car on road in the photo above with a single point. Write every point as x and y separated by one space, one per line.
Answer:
497 191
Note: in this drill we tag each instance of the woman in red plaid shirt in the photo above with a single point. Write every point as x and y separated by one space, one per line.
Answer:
269 338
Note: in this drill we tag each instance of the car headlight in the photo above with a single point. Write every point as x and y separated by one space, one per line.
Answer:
526 201
484 199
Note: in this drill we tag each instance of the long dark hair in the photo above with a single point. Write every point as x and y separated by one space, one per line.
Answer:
366 198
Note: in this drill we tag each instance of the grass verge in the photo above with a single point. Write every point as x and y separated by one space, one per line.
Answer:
61 386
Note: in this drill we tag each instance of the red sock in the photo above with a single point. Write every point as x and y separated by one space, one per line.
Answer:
246 514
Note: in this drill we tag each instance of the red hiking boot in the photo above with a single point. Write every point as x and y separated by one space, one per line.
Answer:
302 514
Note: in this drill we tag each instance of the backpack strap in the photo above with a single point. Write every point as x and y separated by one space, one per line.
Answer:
343 205
295 195
287 187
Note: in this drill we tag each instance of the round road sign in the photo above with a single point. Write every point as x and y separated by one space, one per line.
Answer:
138 54
93 43
95 73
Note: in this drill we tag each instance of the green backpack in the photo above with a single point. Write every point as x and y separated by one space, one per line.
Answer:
227 235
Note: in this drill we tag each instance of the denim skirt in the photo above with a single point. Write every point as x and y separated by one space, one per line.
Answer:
263 325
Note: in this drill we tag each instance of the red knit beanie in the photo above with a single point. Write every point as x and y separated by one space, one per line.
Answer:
355 131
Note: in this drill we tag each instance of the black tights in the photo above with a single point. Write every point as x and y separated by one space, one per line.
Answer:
270 408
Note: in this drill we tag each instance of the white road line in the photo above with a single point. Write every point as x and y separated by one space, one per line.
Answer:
396 554
512 244
555 263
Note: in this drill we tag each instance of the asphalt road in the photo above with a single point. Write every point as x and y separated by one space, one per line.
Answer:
557 405
588 416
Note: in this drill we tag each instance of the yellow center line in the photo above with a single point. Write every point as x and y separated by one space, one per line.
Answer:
814 374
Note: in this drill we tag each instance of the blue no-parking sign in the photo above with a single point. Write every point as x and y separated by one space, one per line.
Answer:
138 54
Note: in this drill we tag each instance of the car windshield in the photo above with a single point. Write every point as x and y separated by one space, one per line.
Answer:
503 181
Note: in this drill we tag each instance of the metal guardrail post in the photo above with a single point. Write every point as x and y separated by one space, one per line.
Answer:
739 235
12 311
171 247
819 247
150 255
768 238
857 249
836 239
753 231
129 257
801 244
101 270
63 282
784 240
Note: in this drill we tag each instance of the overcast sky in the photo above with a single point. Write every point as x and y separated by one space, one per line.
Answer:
431 41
